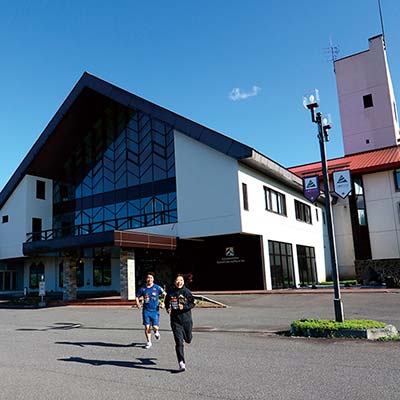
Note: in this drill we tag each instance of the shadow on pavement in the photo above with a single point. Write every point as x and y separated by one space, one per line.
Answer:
143 363
103 344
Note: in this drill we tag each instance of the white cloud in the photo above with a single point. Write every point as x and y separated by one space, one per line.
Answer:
236 94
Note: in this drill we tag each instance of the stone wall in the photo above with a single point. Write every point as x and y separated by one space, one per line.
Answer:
376 272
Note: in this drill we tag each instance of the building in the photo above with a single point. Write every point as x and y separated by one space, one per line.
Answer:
367 223
116 186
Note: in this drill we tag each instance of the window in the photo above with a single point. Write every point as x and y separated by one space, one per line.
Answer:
316 214
368 101
274 201
102 271
40 190
4 219
307 265
35 275
303 212
397 179
360 201
36 229
281 264
245 197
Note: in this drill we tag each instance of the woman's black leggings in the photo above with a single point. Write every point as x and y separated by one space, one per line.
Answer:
182 330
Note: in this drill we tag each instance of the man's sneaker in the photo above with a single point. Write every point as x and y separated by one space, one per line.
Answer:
157 335
148 345
182 366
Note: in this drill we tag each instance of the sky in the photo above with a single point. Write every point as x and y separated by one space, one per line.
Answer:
240 68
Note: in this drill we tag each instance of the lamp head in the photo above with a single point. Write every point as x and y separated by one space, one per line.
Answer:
311 100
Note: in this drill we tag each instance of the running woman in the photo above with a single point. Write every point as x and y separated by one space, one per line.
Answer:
178 305
150 295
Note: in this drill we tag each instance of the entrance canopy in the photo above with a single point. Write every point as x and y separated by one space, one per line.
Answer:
112 238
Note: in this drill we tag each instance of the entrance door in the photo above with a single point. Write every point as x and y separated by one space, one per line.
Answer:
307 265
281 265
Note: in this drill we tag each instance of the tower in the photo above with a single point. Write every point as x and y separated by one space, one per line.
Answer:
367 104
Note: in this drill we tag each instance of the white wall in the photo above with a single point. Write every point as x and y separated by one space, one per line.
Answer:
383 212
21 207
207 190
277 227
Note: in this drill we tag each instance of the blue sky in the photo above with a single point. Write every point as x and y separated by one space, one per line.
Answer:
240 68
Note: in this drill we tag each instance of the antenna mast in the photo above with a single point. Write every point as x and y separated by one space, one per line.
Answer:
380 15
333 52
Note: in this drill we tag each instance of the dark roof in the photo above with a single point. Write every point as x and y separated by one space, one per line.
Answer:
360 163
78 112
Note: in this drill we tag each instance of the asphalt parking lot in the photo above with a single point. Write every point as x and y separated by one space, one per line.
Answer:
97 353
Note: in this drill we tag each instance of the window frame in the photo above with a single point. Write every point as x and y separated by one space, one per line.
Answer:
280 201
368 101
40 190
396 175
303 212
245 196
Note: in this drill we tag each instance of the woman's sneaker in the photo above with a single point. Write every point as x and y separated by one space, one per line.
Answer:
182 366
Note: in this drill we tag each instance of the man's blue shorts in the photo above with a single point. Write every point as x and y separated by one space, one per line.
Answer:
151 317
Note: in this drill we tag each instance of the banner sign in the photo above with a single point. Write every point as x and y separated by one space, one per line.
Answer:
342 183
311 188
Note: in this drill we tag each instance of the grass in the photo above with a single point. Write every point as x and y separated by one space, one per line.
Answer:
345 282
300 327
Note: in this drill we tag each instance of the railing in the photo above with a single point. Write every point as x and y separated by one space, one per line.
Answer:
138 221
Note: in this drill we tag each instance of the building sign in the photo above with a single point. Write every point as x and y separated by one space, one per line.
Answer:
311 188
42 288
230 257
342 183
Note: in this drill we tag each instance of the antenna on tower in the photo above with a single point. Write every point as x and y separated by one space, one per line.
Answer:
383 30
332 51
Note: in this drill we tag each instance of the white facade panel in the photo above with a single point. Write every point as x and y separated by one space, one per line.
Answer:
20 208
207 190
383 211
276 227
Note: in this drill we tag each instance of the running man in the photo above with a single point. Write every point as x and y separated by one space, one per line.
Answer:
149 295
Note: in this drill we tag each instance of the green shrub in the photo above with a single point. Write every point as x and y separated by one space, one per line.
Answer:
301 326
345 282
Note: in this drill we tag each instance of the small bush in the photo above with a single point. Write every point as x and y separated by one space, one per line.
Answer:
300 327
346 282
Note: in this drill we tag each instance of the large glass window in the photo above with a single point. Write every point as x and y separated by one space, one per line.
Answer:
275 201
36 271
303 212
102 270
281 264
120 176
360 201
307 265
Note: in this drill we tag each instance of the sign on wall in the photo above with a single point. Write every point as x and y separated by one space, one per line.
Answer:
311 188
342 183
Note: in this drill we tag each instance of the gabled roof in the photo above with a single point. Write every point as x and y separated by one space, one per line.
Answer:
90 96
360 163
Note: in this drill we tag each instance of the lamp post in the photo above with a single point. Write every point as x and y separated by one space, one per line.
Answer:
312 102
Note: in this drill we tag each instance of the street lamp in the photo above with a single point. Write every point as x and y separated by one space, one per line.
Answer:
311 102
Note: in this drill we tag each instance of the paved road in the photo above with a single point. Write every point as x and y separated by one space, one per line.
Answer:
97 353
